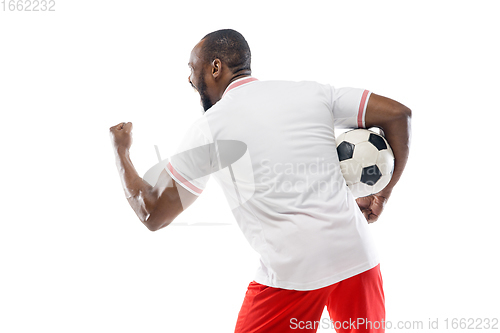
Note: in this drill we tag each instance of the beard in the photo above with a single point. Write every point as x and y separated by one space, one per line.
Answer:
202 90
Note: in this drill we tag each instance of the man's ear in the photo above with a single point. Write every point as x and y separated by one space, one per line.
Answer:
216 68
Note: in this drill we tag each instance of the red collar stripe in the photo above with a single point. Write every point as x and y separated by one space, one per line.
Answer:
238 83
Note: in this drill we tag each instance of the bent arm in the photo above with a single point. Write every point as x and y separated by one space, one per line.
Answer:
395 120
155 206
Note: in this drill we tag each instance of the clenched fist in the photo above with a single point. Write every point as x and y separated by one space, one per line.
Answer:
121 136
371 206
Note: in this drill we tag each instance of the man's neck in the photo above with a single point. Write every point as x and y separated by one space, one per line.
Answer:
234 77
239 76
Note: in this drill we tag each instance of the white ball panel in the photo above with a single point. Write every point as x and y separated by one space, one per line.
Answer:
365 153
351 171
357 136
360 190
382 182
385 161
340 138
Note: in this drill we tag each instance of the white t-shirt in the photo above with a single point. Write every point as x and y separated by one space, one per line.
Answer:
271 146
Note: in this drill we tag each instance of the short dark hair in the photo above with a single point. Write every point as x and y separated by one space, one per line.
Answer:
230 47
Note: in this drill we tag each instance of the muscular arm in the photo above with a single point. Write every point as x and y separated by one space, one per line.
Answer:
395 120
156 206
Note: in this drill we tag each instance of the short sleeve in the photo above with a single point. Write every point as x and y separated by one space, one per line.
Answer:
349 107
193 161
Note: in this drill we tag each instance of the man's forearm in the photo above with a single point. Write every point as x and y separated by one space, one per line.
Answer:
395 120
398 135
137 191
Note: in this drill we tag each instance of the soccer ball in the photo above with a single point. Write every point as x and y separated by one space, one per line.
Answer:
366 161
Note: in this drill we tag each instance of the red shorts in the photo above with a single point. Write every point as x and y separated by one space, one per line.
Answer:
355 304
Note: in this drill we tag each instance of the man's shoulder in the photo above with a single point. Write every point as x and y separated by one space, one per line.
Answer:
298 88
289 86
292 82
268 89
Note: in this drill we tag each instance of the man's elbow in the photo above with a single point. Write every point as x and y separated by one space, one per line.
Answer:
151 227
406 112
401 112
399 116
407 118
154 224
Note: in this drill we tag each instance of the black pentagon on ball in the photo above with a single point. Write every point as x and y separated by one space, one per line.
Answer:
345 150
370 175
377 141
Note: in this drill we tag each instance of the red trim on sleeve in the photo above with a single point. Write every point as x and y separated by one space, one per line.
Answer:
362 108
182 179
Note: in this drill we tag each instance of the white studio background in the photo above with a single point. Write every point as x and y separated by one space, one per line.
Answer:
73 255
